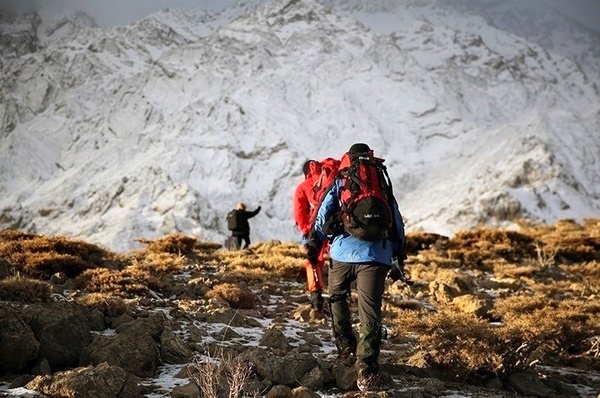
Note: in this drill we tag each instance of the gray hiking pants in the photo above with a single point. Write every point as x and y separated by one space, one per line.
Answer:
370 285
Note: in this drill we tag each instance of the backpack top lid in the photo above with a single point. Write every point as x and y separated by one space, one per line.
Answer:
360 152
359 148
365 195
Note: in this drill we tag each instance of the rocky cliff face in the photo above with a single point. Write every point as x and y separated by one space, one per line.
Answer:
19 35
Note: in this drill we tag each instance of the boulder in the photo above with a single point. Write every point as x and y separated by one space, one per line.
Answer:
314 379
304 392
62 329
17 341
285 370
189 390
152 326
274 338
103 381
173 349
345 377
279 391
528 384
480 306
137 355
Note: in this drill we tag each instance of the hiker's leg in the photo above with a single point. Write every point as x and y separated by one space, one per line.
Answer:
314 283
239 241
320 265
370 285
340 277
247 240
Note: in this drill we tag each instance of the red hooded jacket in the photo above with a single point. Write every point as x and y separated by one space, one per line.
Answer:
305 203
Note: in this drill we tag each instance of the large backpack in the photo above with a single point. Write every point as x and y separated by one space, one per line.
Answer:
232 220
366 197
329 170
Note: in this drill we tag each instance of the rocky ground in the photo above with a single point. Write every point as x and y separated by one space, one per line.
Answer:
260 338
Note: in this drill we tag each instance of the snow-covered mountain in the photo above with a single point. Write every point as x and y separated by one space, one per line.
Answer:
164 125
533 20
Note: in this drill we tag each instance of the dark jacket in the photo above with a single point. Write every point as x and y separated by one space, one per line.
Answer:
242 221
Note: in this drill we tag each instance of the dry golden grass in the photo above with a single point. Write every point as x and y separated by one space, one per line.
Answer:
476 246
237 296
532 329
108 304
503 270
101 280
419 241
24 289
557 323
174 244
156 265
568 240
265 260
151 272
40 256
557 326
181 245
95 269
546 282
456 341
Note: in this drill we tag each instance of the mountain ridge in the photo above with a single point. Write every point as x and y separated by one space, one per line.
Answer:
118 134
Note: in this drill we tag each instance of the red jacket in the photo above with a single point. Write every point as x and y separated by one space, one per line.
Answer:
305 202
308 193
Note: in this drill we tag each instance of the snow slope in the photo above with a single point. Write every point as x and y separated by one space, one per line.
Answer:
164 125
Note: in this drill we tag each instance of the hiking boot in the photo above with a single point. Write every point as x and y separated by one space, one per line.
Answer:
368 382
317 301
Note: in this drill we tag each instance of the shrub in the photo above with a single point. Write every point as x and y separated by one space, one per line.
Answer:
173 244
418 241
108 304
41 256
101 280
550 326
222 374
24 289
265 260
461 343
235 295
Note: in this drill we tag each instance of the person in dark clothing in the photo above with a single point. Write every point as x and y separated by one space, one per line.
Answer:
242 229
354 260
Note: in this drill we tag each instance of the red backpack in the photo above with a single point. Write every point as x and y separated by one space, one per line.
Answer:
366 197
329 170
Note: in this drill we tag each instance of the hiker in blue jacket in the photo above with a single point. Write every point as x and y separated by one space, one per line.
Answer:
367 263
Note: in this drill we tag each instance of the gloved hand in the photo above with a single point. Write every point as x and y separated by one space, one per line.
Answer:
395 273
400 254
313 247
